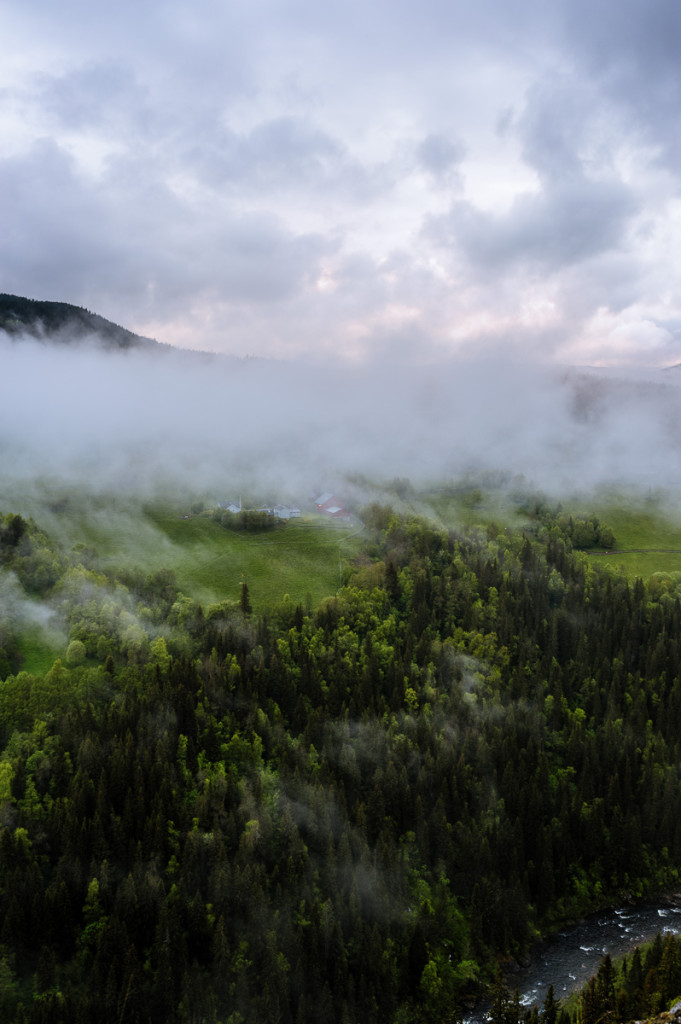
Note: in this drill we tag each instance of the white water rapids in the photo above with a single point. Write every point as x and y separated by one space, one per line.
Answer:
572 956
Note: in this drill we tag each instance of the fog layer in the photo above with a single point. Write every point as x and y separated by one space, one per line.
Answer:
138 421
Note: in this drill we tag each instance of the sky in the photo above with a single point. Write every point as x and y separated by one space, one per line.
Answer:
356 182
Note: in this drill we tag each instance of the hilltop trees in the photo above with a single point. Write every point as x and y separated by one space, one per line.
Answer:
249 520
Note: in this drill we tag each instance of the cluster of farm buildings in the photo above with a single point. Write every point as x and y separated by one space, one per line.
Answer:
326 504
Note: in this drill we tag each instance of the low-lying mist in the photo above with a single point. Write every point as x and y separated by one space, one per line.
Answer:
139 422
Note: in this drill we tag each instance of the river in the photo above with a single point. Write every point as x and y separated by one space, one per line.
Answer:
572 956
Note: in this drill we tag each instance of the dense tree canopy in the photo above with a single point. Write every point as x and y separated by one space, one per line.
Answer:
352 813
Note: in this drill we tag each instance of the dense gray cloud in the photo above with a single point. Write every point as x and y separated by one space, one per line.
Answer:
630 51
102 94
440 155
571 220
134 238
289 177
283 154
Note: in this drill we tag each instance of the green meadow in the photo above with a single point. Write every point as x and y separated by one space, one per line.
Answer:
647 532
40 647
647 529
304 559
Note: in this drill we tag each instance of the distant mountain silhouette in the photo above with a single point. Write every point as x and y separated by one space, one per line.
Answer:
63 323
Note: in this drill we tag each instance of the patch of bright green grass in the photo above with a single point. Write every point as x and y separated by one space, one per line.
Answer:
643 524
40 648
634 564
304 558
647 534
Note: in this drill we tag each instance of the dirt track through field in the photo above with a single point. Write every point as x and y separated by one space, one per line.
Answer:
638 551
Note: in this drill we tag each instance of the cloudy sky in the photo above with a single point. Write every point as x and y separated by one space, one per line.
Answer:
370 181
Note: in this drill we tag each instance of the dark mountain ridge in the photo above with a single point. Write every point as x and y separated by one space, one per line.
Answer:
61 322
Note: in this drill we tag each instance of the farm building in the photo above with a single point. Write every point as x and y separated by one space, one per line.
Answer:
286 512
278 511
330 505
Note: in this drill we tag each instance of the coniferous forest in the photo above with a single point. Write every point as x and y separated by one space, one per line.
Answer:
354 812
640 985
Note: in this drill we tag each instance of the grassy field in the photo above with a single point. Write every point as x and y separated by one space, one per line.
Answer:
647 530
647 533
40 647
303 559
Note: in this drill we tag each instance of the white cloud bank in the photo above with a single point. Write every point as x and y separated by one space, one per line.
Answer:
136 421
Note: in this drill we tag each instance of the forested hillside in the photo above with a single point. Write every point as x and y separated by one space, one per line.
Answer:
61 321
352 814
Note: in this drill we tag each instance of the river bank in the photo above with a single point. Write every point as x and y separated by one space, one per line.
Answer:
568 959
